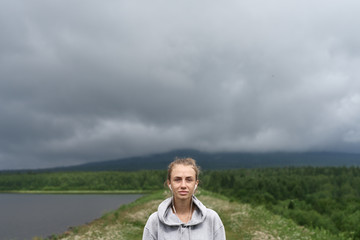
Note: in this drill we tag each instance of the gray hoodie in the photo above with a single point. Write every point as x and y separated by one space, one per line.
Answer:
205 224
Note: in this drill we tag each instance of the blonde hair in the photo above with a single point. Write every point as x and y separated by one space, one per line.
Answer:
183 161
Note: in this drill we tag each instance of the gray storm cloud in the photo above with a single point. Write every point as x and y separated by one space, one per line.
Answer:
92 80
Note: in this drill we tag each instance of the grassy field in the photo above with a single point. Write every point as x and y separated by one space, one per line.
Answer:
241 221
80 191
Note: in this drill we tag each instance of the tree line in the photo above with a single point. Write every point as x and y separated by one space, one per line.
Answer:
318 197
93 181
325 197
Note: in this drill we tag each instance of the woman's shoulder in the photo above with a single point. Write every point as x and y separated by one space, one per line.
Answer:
206 212
211 213
213 216
152 221
151 227
153 217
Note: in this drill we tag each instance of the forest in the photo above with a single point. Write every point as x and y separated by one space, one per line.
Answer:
316 197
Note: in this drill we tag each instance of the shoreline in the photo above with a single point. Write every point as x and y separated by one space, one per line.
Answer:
77 192
88 206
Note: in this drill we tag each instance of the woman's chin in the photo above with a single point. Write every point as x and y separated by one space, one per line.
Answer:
183 196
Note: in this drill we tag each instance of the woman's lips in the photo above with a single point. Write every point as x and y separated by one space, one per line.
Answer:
183 192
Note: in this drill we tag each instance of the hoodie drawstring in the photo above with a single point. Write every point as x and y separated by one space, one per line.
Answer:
190 232
181 230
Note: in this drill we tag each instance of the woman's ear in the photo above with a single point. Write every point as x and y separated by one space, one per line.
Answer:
169 184
196 184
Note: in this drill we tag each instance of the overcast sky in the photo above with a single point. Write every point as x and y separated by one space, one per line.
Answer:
88 80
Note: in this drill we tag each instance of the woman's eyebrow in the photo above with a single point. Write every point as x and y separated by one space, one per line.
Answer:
177 177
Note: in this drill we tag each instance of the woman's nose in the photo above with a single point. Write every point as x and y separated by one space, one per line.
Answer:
183 183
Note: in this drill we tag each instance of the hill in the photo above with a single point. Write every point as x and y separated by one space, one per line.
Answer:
221 160
218 160
241 221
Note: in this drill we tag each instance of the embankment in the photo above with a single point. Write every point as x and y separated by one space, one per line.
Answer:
241 221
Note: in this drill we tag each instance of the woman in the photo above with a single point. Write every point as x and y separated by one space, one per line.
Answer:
183 216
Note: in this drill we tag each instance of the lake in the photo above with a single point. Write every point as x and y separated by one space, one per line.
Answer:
23 216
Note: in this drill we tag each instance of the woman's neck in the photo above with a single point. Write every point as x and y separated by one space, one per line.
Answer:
182 206
183 209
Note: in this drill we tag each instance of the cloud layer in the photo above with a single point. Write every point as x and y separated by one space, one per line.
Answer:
92 80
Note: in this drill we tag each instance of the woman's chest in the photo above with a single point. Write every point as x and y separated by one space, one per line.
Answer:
197 232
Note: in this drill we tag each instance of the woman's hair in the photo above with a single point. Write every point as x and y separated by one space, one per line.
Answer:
183 161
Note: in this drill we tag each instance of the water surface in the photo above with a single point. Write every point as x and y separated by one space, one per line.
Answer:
23 216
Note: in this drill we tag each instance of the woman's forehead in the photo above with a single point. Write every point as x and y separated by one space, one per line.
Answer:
183 170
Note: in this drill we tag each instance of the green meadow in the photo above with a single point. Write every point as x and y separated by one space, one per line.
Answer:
242 221
262 203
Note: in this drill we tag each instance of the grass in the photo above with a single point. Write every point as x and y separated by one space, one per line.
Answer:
241 221
79 192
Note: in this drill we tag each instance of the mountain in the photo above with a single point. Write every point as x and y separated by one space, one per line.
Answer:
221 160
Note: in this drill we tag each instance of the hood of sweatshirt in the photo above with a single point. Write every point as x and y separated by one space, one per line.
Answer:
167 217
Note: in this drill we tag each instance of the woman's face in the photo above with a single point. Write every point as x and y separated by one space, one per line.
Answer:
183 181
